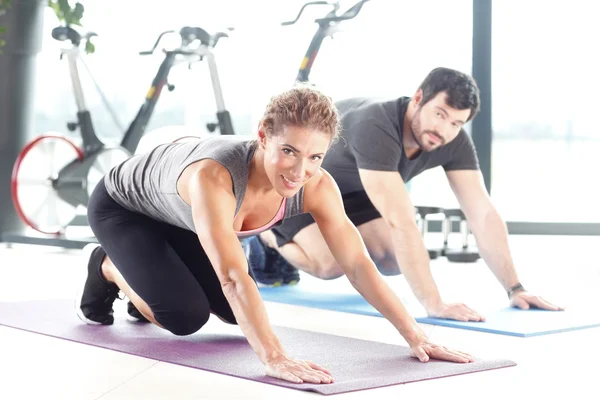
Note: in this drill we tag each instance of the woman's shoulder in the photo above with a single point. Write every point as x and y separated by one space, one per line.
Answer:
206 172
320 187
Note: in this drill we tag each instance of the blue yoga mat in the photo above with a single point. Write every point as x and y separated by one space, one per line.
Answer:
505 321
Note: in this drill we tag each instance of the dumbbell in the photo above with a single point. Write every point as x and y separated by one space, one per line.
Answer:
423 212
463 255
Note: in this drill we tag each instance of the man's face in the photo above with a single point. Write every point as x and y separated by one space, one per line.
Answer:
436 123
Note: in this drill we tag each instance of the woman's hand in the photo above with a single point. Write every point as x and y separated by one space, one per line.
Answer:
297 371
424 349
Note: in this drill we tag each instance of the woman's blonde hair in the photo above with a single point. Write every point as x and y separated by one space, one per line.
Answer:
302 106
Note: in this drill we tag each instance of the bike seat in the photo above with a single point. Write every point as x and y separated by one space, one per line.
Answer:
63 33
189 34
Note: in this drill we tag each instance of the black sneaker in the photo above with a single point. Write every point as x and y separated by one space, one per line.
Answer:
94 305
290 274
133 314
268 266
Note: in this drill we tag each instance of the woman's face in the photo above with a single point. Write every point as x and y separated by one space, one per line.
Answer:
293 156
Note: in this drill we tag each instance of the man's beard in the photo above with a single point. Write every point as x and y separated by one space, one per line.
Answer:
415 128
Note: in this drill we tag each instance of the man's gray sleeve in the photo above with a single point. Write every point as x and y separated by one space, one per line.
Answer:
375 146
464 155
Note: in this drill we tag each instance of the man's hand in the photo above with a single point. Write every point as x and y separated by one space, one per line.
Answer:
456 311
525 301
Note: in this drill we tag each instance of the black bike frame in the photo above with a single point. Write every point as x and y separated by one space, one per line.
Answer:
325 29
313 49
136 129
91 143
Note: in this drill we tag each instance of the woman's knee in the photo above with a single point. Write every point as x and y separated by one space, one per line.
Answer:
183 322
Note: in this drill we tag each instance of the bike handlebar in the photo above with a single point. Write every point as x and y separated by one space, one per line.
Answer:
310 3
349 14
151 51
331 15
188 35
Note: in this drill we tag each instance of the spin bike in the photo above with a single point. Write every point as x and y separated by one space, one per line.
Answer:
328 25
53 176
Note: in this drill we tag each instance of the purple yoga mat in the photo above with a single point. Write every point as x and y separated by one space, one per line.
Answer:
355 364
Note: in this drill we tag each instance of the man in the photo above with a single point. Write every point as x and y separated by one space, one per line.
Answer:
385 144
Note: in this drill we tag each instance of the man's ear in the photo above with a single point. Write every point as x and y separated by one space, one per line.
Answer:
418 97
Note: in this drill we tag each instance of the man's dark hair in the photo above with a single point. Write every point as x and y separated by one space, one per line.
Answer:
461 89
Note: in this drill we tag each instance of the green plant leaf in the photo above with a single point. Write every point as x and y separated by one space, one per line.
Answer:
4 5
63 11
2 41
89 47
78 11
64 4
56 8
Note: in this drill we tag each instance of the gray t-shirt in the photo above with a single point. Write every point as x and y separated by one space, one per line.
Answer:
147 183
372 139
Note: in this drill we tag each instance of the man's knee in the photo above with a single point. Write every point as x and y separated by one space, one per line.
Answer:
183 321
387 265
330 269
327 269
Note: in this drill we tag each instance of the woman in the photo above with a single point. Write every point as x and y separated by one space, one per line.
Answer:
169 224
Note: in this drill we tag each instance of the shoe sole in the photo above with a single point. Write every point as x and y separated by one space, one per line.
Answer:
277 284
87 253
131 318
269 285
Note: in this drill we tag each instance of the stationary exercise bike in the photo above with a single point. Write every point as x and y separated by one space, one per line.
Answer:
328 25
53 176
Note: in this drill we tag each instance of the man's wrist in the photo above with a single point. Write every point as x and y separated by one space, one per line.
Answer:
515 289
433 304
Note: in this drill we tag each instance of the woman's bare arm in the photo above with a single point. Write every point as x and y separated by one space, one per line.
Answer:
213 208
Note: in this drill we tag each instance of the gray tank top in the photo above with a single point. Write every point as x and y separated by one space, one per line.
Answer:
147 183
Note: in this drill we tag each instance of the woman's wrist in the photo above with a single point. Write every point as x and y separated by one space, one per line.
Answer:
413 334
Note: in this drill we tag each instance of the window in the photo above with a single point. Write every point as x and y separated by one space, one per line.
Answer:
545 135
385 52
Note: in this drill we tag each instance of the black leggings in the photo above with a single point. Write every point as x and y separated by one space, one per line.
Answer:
165 265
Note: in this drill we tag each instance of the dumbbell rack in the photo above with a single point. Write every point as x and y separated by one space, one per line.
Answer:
463 254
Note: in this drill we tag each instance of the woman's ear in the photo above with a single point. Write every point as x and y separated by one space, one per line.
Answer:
262 136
